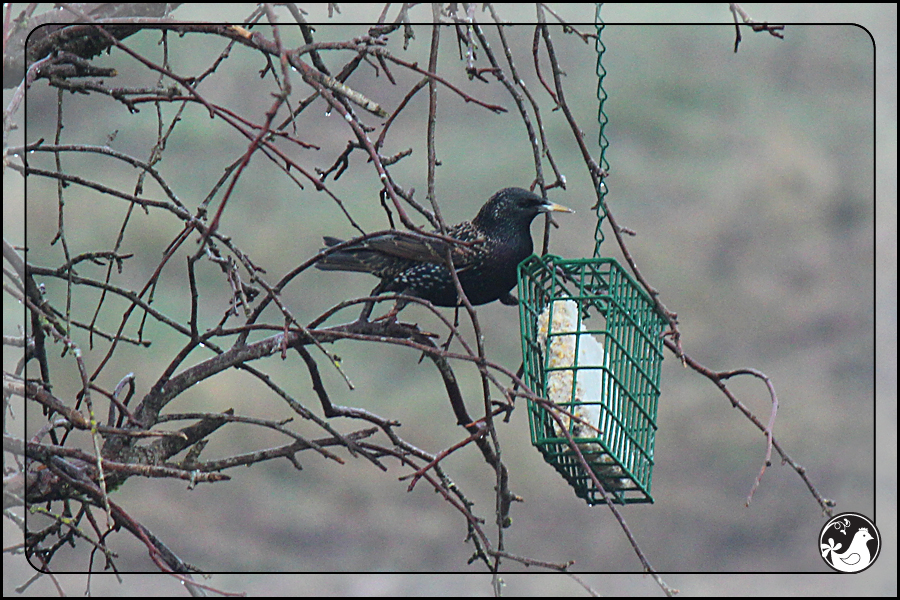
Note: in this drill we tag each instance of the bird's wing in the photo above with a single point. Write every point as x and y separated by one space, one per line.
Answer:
420 248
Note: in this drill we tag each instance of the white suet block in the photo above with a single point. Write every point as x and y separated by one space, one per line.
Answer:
586 382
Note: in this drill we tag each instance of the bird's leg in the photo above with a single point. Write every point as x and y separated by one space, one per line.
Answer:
391 315
370 305
446 345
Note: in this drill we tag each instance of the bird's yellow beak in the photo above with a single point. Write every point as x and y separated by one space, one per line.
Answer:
551 207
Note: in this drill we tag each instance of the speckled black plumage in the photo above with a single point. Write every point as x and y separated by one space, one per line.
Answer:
416 266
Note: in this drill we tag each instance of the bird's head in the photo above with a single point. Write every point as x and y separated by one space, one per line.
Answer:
514 209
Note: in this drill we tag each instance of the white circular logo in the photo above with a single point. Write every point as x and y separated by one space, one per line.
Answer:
849 543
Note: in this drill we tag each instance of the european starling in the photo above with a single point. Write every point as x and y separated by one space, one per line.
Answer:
407 264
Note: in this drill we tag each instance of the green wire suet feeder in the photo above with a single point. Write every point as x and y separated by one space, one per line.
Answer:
592 344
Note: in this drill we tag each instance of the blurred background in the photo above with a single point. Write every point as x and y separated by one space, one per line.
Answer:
749 180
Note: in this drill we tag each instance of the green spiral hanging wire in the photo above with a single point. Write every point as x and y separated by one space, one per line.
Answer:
595 302
602 119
